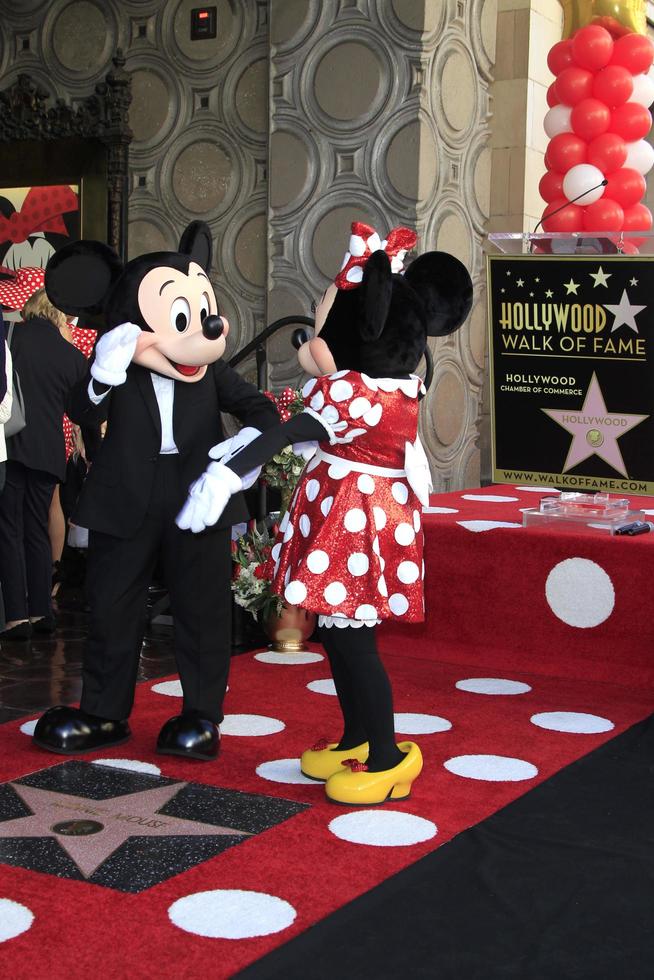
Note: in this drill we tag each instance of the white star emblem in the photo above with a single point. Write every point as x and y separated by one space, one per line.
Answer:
633 282
624 312
571 287
549 293
520 282
600 277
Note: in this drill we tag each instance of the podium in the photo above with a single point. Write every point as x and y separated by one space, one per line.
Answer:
571 335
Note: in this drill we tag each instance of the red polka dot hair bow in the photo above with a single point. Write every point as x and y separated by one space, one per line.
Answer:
41 211
364 240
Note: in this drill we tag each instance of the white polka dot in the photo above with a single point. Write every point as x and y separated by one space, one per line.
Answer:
359 407
355 520
340 391
14 919
295 592
398 603
231 913
492 768
380 518
369 382
373 416
574 722
172 688
358 563
329 414
353 434
311 465
335 593
275 551
409 723
489 498
416 521
326 505
312 489
250 725
287 576
382 588
302 657
317 401
375 545
27 728
382 828
365 611
305 526
366 484
288 533
285 519
337 471
408 572
400 492
308 388
492 685
440 510
134 765
339 374
486 525
284 771
580 593
325 686
404 534
317 561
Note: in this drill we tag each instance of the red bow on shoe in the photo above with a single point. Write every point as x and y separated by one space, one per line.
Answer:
41 211
320 745
355 765
363 242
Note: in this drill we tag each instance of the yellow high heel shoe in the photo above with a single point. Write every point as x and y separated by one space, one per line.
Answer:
358 787
321 761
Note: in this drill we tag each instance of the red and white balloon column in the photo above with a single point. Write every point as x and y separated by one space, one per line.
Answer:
597 123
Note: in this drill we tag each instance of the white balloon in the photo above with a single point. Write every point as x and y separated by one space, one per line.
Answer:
580 178
643 92
640 156
557 120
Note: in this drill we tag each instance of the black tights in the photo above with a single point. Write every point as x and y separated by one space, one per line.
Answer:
364 693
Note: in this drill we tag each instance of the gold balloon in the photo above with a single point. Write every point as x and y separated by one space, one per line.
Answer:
617 16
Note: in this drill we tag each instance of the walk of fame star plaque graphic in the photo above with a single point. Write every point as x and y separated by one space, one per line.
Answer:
121 829
571 349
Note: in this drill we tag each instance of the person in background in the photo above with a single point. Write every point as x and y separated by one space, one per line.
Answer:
48 367
6 400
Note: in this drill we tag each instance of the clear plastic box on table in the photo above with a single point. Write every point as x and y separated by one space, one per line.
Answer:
589 512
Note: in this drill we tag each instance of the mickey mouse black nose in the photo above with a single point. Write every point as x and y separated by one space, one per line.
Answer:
299 336
212 327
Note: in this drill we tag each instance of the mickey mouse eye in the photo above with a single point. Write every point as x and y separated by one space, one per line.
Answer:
204 307
180 314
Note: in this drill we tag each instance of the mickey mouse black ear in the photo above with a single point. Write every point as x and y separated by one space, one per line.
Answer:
79 276
196 242
445 287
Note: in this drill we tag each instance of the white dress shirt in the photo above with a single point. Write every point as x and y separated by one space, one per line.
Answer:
164 390
5 404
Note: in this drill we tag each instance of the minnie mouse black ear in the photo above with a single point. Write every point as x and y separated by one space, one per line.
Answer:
196 242
445 287
79 276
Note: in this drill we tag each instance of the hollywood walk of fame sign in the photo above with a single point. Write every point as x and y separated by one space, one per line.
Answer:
121 829
571 351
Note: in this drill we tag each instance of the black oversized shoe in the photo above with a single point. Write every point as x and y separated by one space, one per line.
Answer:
72 731
190 735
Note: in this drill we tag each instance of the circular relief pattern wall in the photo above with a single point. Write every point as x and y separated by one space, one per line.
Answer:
82 38
448 407
457 91
250 250
251 97
150 107
202 174
349 82
413 147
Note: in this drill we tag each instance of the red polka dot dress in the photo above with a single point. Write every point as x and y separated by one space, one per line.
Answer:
350 547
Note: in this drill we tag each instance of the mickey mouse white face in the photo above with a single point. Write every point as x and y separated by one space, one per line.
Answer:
315 356
187 331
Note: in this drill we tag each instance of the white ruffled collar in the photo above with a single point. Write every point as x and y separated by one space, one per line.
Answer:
408 386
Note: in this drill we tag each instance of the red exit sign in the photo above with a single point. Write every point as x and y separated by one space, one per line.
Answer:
203 23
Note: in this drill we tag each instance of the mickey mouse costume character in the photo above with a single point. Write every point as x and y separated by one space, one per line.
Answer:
157 379
350 548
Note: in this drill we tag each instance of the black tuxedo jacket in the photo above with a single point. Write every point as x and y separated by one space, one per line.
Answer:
116 493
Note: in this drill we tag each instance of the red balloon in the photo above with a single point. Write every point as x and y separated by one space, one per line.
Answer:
613 85
552 97
573 85
559 57
551 186
603 215
608 152
631 121
592 47
566 219
626 186
637 218
634 52
564 151
590 118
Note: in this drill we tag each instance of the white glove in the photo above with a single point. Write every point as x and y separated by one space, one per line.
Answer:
307 450
113 354
208 497
227 449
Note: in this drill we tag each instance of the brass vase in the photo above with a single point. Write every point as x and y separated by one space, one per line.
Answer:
289 632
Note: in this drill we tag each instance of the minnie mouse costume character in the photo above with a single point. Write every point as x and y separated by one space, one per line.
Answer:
350 548
157 380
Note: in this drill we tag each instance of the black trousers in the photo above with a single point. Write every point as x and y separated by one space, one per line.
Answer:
197 569
25 552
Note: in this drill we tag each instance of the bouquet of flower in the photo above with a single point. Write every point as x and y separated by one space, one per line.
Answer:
253 569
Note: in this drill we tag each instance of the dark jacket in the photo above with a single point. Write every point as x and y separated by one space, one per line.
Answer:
116 493
49 368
